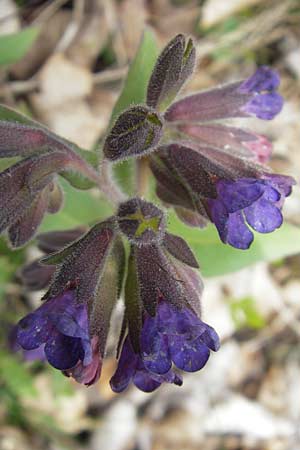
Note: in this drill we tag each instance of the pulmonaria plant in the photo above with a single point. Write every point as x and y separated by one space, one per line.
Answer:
205 169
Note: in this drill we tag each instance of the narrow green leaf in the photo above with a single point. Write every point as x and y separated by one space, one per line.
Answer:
135 87
14 46
133 93
216 258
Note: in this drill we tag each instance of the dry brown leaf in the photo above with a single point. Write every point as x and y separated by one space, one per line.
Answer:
90 40
43 46
214 11
133 16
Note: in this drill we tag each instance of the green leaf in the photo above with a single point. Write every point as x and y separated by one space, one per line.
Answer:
16 376
9 263
245 314
216 258
14 46
60 385
135 86
80 208
75 179
133 93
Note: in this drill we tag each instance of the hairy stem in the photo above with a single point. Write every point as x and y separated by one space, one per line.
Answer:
107 185
142 176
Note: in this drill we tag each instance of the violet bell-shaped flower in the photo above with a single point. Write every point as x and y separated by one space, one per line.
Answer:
173 335
72 324
162 304
60 327
204 184
249 202
256 96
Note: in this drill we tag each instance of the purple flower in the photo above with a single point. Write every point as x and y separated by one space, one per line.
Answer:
264 102
71 326
173 335
176 335
255 96
249 202
205 183
131 368
60 327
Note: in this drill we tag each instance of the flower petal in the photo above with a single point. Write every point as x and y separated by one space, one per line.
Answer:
154 348
210 338
264 79
219 217
264 106
263 216
238 234
239 194
143 381
33 330
188 355
126 368
63 352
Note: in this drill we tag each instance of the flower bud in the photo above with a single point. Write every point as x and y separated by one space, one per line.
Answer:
141 222
236 141
173 67
135 132
36 276
28 190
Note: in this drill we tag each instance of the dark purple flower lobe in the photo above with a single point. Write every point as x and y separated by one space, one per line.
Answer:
131 368
28 355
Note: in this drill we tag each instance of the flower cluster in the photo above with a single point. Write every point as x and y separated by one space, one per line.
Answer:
206 170
162 304
162 319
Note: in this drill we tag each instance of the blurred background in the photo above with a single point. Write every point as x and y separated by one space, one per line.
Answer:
63 63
